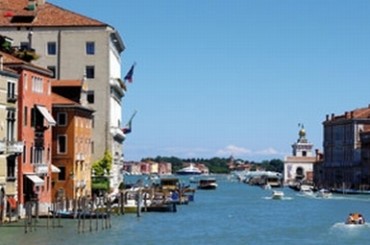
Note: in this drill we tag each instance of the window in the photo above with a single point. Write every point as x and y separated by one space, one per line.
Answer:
90 72
10 162
52 48
25 116
90 48
10 120
53 69
62 119
90 97
62 144
62 173
11 92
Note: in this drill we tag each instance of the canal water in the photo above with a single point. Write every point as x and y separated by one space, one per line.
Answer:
235 213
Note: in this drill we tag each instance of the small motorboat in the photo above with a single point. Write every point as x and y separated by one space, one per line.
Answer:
277 195
207 184
324 193
355 219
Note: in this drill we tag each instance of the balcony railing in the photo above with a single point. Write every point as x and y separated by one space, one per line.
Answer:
14 147
80 157
12 98
2 146
41 168
117 133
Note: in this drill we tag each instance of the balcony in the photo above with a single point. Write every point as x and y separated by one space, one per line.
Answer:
80 157
41 168
11 98
117 133
14 147
80 184
2 146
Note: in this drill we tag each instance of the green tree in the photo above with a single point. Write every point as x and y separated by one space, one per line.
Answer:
103 165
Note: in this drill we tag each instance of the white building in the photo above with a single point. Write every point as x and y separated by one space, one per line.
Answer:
299 167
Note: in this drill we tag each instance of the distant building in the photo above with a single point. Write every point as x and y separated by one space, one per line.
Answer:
298 168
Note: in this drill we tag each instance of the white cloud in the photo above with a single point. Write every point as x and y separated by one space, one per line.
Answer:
234 150
238 151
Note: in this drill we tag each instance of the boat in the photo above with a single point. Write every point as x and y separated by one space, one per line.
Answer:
190 170
207 184
277 195
306 190
355 219
324 193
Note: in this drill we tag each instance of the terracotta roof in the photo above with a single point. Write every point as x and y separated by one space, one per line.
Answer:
66 83
11 61
46 14
60 100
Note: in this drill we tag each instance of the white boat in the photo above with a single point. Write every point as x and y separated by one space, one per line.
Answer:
306 190
277 195
324 193
190 170
207 184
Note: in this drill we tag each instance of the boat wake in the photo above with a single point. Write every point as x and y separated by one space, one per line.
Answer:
282 198
343 229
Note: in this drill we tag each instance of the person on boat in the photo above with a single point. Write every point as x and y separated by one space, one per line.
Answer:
360 219
350 219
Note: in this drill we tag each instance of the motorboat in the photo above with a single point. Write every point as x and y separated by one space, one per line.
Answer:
324 193
207 184
277 195
355 219
190 170
306 190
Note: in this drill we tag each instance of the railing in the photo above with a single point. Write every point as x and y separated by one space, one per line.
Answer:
117 132
80 157
14 147
2 146
41 168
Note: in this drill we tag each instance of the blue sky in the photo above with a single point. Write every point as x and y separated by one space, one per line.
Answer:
235 77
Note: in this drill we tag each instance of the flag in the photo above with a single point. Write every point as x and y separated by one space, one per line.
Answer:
128 128
130 74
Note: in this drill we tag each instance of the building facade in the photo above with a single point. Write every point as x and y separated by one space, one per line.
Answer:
34 129
75 46
10 147
299 167
71 140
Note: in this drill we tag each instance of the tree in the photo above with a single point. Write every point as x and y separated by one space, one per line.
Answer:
103 165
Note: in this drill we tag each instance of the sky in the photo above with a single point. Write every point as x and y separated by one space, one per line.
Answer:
220 78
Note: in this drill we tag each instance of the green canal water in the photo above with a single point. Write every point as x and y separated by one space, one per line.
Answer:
235 214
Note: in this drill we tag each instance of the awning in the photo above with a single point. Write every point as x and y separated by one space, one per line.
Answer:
54 169
36 180
47 116
12 202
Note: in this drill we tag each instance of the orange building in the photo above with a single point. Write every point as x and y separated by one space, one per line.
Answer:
34 129
71 140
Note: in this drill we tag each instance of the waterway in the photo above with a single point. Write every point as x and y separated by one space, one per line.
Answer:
235 213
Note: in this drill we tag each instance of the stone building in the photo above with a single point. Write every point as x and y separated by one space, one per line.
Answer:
298 168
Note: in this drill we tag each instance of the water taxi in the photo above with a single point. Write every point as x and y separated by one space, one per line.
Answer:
355 219
277 195
207 184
